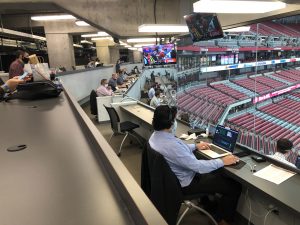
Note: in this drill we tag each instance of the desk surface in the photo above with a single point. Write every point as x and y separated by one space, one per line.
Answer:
62 177
287 193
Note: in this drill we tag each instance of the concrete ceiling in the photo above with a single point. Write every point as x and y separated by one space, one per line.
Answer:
121 18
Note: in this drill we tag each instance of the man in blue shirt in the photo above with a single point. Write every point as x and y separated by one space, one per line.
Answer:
195 176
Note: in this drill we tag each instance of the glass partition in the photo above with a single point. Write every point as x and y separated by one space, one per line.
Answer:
248 81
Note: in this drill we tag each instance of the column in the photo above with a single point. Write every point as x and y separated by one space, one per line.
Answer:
114 54
103 53
137 56
60 50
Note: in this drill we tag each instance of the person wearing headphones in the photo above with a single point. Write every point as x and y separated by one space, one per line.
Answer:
195 176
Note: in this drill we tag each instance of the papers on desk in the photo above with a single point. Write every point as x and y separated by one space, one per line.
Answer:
188 137
274 174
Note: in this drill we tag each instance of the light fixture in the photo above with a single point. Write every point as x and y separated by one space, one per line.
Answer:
133 49
99 34
142 45
141 40
165 28
220 6
81 23
127 46
86 42
140 49
102 38
122 43
53 17
77 45
238 29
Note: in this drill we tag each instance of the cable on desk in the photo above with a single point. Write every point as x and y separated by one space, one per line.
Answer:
268 213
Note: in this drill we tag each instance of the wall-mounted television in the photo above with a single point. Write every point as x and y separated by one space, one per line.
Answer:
159 54
204 26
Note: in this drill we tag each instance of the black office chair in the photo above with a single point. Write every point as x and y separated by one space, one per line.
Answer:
125 127
93 103
164 190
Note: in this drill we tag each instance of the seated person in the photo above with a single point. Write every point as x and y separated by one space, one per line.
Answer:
195 176
113 81
120 79
104 89
284 146
151 91
155 100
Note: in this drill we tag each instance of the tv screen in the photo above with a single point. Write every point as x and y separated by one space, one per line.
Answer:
203 26
159 54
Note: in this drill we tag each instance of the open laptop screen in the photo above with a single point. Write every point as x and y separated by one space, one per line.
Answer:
225 138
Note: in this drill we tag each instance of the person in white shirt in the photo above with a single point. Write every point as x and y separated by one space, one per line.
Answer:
151 91
155 100
104 89
283 147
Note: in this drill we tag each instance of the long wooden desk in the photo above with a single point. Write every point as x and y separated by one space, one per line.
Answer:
286 194
68 174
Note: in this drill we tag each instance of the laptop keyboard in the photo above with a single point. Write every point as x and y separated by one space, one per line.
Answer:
217 149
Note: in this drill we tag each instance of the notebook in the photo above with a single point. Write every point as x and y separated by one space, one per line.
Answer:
223 142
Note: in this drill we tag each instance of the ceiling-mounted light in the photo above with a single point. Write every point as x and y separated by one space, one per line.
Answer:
53 17
81 23
165 28
141 45
133 49
220 6
127 46
102 38
99 34
238 29
122 43
86 42
141 40
77 46
140 49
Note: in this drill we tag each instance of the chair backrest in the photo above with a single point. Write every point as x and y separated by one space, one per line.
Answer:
114 118
161 185
93 103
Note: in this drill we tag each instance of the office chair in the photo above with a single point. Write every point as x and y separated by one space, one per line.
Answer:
93 103
164 190
125 127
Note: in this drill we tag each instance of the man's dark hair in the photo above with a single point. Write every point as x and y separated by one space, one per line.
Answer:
19 52
157 93
163 117
283 145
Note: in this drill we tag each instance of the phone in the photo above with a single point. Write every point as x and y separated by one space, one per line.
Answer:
22 77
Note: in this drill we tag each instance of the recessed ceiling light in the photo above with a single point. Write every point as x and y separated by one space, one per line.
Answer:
238 29
99 34
132 49
53 17
141 45
139 40
220 6
81 23
165 28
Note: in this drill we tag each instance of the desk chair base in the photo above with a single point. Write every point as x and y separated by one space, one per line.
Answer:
191 205
126 134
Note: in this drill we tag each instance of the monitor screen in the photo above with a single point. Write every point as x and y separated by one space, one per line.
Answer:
204 26
159 54
225 138
298 162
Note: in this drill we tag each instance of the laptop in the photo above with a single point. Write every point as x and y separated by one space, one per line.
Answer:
223 142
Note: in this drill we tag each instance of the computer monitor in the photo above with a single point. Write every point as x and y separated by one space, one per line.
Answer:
225 138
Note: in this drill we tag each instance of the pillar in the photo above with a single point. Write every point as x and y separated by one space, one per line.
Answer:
60 50
103 53
137 56
114 54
